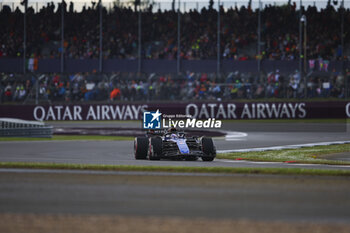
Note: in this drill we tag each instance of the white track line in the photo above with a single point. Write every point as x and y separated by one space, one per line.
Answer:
284 147
235 136
245 161
282 163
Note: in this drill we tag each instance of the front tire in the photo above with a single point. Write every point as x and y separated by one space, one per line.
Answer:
155 148
140 147
208 149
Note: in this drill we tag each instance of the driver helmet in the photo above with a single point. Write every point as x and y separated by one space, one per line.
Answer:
172 130
173 136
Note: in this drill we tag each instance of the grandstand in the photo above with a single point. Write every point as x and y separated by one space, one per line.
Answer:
167 50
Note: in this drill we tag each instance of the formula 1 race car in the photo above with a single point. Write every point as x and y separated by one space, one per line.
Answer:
171 144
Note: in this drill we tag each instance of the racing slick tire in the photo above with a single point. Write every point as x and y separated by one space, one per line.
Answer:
140 147
208 149
155 148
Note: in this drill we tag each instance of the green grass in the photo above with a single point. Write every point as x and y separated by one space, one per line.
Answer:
225 170
70 137
302 155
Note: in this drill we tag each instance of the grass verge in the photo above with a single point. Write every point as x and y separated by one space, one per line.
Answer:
225 170
70 137
302 155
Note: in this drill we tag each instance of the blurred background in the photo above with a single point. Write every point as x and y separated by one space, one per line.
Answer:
133 50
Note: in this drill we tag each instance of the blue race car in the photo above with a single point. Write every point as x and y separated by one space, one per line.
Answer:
175 145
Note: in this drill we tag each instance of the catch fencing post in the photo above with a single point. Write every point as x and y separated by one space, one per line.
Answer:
305 56
101 37
218 41
25 35
62 35
178 39
139 38
300 43
342 49
259 40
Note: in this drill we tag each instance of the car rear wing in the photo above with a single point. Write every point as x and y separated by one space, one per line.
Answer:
161 132
155 132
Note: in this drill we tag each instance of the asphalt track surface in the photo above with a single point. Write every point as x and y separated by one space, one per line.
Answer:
121 152
214 197
257 197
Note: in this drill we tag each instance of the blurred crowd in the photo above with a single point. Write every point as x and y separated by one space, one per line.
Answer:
90 87
279 32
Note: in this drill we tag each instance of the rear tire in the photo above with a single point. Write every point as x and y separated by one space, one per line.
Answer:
155 150
140 147
208 149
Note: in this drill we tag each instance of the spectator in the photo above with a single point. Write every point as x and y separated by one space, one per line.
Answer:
201 86
280 32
